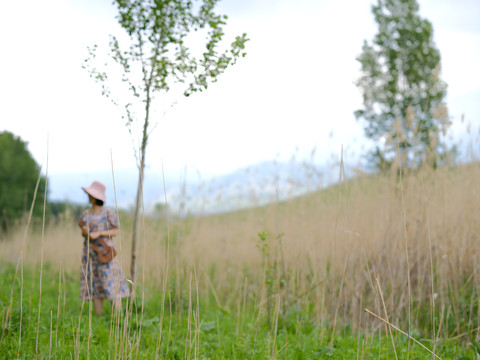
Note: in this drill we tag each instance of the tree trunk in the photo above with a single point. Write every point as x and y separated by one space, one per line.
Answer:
138 205
139 202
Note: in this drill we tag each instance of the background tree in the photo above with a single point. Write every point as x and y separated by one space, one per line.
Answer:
160 54
403 95
18 178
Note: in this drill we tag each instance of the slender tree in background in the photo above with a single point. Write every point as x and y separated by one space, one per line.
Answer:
158 57
18 178
403 95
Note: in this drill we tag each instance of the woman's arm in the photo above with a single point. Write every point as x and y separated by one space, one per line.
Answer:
83 227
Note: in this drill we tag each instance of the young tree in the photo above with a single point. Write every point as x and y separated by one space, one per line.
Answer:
403 95
18 178
158 57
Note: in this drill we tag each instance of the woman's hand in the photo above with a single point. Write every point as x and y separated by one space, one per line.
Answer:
92 235
95 235
107 233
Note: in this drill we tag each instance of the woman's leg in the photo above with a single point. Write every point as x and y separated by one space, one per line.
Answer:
117 304
98 304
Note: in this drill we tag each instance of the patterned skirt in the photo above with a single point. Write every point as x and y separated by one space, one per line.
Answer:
99 280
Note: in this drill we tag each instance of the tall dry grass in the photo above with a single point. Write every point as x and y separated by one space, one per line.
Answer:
334 252
335 244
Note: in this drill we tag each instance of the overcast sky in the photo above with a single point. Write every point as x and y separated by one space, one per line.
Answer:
294 92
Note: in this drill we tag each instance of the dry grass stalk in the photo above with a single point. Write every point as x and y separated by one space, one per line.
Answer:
390 325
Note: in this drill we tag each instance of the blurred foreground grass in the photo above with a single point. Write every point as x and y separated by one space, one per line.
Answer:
184 329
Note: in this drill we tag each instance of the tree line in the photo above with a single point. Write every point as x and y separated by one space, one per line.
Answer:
22 185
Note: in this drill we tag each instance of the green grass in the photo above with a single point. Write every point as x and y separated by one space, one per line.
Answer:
185 329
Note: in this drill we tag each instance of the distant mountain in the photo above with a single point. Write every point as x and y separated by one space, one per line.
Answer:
251 186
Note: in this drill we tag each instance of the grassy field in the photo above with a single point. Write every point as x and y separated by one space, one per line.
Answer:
319 276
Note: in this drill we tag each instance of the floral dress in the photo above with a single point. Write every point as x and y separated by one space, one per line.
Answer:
99 280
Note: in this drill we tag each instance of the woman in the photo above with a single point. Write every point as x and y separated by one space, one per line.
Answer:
100 278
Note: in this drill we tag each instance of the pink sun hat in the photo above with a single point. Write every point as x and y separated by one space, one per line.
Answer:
96 190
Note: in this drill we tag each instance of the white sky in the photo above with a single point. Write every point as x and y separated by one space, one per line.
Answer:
292 93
